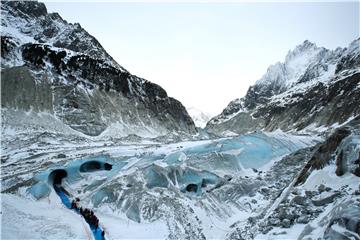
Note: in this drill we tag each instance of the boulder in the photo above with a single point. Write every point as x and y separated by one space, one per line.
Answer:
321 188
295 192
303 219
274 222
299 200
286 223
328 189
61 155
282 213
266 229
324 200
265 191
310 194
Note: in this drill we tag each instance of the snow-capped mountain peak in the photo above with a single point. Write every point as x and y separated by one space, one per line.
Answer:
199 117
302 85
306 47
283 75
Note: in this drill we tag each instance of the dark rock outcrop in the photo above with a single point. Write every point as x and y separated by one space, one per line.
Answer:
339 164
299 200
321 201
30 9
19 90
323 154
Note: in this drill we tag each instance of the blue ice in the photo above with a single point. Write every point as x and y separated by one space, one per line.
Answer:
256 149
42 187
101 196
40 190
157 176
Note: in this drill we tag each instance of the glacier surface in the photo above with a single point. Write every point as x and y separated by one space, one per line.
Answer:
207 183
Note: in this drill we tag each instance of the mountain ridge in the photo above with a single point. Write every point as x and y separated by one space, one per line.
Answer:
305 68
85 87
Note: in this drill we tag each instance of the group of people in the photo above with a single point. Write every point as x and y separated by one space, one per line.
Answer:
88 215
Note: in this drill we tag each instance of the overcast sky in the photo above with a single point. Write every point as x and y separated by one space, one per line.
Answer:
207 54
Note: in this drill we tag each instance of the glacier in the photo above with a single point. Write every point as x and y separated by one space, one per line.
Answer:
149 183
240 187
200 163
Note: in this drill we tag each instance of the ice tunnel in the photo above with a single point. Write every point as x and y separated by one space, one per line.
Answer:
92 166
56 176
192 187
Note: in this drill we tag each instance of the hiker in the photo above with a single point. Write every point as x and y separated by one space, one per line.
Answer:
73 205
86 213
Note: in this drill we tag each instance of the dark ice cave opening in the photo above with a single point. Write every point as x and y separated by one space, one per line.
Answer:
95 166
57 176
191 187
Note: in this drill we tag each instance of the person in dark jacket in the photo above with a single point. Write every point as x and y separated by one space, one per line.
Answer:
73 205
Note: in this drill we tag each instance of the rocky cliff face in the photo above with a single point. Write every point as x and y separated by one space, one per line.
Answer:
51 65
313 87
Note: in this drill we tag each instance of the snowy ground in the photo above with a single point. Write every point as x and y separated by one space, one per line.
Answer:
28 219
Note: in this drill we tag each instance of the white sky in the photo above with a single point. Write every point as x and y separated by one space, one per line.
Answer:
207 54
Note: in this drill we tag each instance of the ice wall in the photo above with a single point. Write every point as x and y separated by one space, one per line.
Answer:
73 172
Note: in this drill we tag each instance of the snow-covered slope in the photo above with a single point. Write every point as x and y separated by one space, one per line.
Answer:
313 87
200 118
47 219
54 66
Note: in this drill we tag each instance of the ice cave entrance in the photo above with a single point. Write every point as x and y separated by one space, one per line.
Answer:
92 166
57 176
192 187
